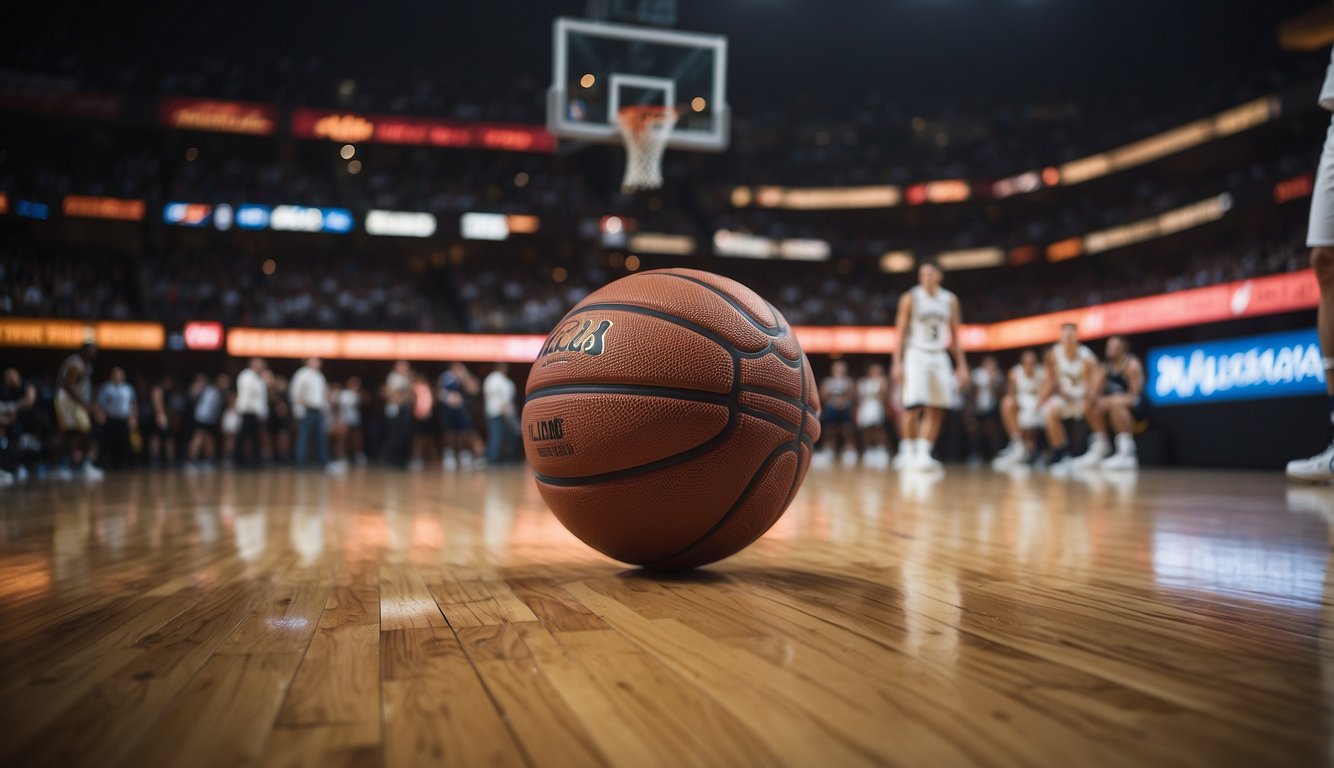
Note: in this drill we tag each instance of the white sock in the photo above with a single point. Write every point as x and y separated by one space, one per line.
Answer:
906 447
1125 444
923 447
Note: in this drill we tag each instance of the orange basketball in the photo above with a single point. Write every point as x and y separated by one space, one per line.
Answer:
670 418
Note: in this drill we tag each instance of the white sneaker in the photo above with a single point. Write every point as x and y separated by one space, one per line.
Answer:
925 462
1014 453
92 473
1120 462
900 461
465 461
450 462
1317 469
849 458
822 459
1063 468
1098 450
336 468
6 478
62 473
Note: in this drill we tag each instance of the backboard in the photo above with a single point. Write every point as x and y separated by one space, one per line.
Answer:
599 67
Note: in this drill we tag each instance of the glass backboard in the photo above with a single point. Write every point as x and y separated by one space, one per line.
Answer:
599 67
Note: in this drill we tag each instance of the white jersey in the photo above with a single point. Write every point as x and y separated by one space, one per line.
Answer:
839 388
870 389
1025 385
1072 378
929 321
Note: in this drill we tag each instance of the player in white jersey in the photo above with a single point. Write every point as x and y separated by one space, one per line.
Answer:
872 392
928 323
1020 411
1066 391
1320 239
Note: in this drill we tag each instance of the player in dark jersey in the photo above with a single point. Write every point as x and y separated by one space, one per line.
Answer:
1121 404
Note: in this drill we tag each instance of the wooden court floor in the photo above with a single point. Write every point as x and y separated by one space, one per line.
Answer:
279 618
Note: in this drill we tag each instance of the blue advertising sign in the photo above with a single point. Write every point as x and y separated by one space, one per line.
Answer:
253 216
1251 368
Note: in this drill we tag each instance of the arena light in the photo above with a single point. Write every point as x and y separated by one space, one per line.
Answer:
484 226
4 203
300 218
895 262
1065 249
1294 189
351 128
373 345
662 243
971 258
803 249
1021 255
1017 185
1170 222
218 115
522 224
825 198
400 223
1226 123
741 245
94 207
31 209
942 191
253 216
37 333
187 214
203 335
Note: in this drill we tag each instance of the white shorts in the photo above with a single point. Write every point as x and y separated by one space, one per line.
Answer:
871 413
1030 415
1320 232
1065 407
928 379
70 416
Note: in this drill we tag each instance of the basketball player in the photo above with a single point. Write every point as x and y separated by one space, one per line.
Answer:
928 323
1320 239
836 397
74 409
1120 400
461 440
1020 413
872 391
1071 367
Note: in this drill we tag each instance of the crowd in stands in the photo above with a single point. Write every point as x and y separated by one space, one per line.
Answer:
75 423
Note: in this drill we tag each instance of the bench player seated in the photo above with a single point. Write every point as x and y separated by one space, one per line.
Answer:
1066 389
1020 411
1120 402
930 365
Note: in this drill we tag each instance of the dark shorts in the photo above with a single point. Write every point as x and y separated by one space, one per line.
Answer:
423 426
279 423
455 419
836 416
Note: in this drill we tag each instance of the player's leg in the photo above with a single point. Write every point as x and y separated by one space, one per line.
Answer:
1053 412
1099 448
1014 453
1121 414
937 393
1320 237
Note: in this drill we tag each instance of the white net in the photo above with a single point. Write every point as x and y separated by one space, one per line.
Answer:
645 132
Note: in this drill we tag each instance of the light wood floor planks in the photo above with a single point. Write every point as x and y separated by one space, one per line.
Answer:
382 619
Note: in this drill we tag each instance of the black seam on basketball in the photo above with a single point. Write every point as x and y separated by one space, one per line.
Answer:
772 418
635 309
736 505
773 331
799 434
647 390
755 389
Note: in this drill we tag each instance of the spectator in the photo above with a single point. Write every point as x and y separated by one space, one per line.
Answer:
498 391
348 409
207 437
117 401
398 414
17 398
252 404
280 419
310 397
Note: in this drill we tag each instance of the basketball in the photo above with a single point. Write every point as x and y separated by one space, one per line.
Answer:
670 418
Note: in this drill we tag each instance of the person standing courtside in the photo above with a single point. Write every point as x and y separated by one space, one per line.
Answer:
1066 392
74 409
498 393
309 392
1320 239
872 392
836 394
928 322
117 400
252 404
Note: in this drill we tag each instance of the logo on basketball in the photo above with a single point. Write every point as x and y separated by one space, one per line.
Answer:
576 336
550 429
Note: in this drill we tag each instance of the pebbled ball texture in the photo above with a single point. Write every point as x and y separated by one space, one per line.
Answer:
670 418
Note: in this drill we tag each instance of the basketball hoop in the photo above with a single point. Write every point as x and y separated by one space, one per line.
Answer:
645 130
